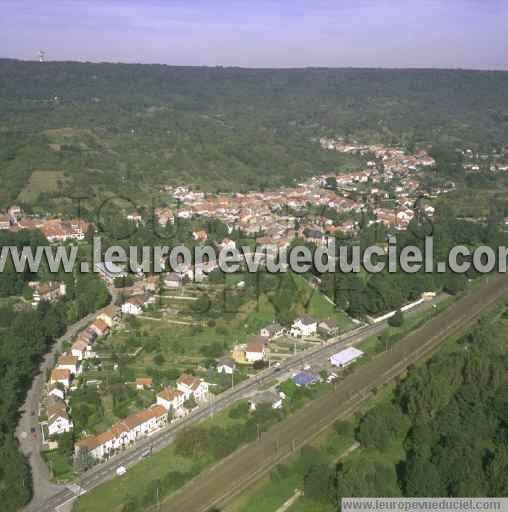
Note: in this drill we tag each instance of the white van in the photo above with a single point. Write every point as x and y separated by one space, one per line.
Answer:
121 470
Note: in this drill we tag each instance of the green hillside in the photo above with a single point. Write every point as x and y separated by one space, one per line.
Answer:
97 128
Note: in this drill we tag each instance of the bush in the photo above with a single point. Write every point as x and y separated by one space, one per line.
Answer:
239 411
396 320
159 359
344 428
259 365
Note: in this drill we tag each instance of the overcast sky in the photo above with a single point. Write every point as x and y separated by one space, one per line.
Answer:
261 33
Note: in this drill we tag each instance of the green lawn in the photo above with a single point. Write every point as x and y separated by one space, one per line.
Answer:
315 304
59 464
41 181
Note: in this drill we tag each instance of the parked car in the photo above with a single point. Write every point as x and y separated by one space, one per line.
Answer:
121 470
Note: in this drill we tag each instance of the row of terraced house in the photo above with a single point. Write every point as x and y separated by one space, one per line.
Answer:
170 405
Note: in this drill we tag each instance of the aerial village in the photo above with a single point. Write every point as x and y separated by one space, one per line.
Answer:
273 218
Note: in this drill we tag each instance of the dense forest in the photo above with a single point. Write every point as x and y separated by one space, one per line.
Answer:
70 129
444 432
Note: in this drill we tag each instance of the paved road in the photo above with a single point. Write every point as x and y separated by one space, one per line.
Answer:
43 488
162 438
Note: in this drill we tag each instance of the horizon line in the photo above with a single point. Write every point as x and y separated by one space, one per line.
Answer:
254 68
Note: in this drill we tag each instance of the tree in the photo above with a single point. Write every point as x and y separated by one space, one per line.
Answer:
259 365
382 424
159 359
83 460
240 410
317 483
190 403
344 428
397 319
192 442
454 283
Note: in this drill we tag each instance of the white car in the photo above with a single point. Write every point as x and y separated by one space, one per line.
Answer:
121 470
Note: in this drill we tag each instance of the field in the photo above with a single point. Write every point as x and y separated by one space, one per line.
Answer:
41 182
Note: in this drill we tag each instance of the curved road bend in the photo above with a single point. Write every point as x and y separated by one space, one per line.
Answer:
43 488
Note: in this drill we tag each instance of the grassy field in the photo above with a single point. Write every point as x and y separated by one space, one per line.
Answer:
315 304
59 465
41 182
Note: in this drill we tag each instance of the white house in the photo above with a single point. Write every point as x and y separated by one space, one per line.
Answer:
272 331
56 391
192 386
71 363
328 327
304 326
268 397
99 327
144 422
226 365
59 423
82 349
228 244
255 351
143 383
58 419
171 399
62 376
99 446
133 306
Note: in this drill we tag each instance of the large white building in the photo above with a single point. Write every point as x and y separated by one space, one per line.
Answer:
345 357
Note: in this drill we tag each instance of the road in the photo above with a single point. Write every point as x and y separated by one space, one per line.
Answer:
43 488
216 486
162 438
